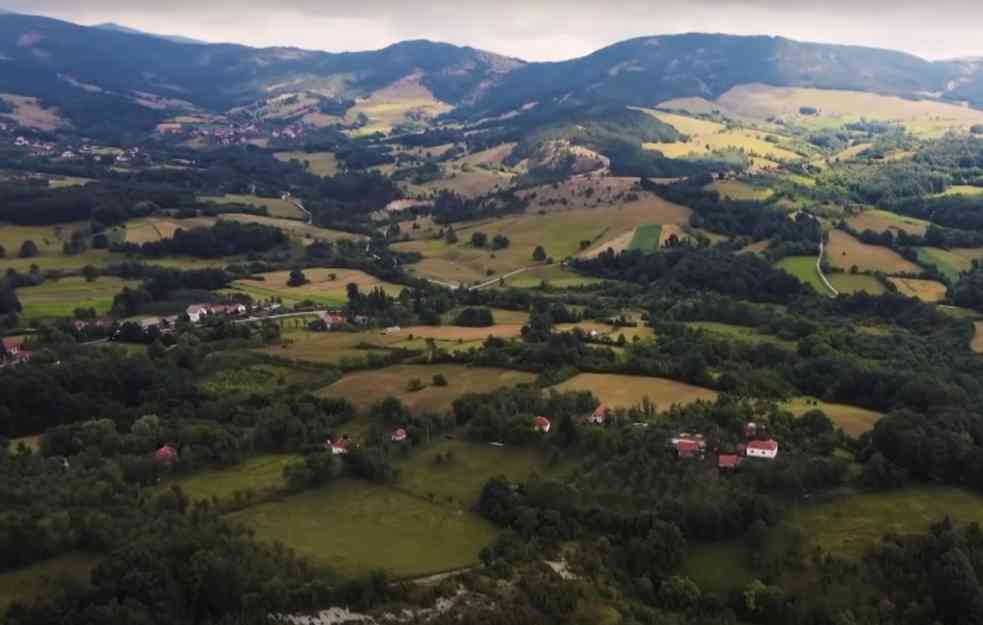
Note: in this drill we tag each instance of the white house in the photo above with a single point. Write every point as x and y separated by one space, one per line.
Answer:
599 416
196 312
762 449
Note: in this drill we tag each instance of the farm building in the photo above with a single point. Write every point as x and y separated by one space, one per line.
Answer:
763 449
399 435
541 424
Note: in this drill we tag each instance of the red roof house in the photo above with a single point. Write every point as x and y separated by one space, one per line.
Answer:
762 449
541 424
728 461
339 448
166 455
599 416
399 435
689 446
11 347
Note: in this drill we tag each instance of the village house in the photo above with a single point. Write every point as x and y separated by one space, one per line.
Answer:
541 424
166 455
689 446
15 354
332 320
762 449
599 416
399 435
196 312
728 462
339 448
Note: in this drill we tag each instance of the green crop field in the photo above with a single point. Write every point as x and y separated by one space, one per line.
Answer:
367 387
356 527
627 391
646 238
330 347
738 190
59 298
853 420
459 478
259 474
34 581
804 268
553 275
257 378
883 221
855 283
950 262
325 286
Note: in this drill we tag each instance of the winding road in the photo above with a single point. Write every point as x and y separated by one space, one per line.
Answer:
819 269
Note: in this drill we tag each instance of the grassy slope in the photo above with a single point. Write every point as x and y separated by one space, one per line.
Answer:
626 391
646 238
59 298
32 582
260 473
277 207
853 420
322 164
320 288
804 268
844 252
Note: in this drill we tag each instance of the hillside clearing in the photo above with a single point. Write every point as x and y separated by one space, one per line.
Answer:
356 527
884 221
30 113
60 298
153 229
844 252
851 419
950 262
804 268
738 190
295 229
925 290
646 238
258 474
740 333
322 164
324 285
365 388
39 580
627 391
849 283
278 207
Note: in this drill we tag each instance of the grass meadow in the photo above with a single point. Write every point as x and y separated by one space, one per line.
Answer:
925 290
804 268
883 221
325 286
356 527
851 419
740 333
59 298
950 262
35 581
627 391
278 207
845 252
259 474
646 238
322 164
855 283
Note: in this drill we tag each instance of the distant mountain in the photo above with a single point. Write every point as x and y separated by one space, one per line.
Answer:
133 31
111 79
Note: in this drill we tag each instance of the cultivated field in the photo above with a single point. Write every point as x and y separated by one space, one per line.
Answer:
691 126
59 298
37 581
851 419
555 276
277 207
804 268
752 142
321 288
365 388
646 238
153 229
626 391
403 101
844 252
330 347
322 164
963 189
855 283
883 221
259 474
295 229
356 527
950 262
49 239
925 290
738 190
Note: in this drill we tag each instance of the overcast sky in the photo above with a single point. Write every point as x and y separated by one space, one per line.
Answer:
537 30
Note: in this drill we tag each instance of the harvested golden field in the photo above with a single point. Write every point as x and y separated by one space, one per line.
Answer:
322 164
368 387
29 112
751 142
618 244
325 285
295 229
153 229
963 189
686 124
558 229
851 419
49 239
977 344
844 252
278 207
851 152
330 347
626 391
925 290
470 181
883 221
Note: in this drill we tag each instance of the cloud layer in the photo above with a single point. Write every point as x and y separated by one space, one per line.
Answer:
538 30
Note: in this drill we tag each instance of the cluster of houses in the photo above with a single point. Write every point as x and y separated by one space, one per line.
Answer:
758 445
13 354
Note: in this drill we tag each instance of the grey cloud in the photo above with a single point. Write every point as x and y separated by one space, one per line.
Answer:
537 30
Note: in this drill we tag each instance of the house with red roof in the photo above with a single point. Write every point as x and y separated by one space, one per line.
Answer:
332 320
166 455
689 446
399 435
541 424
728 462
11 347
338 448
599 416
762 449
